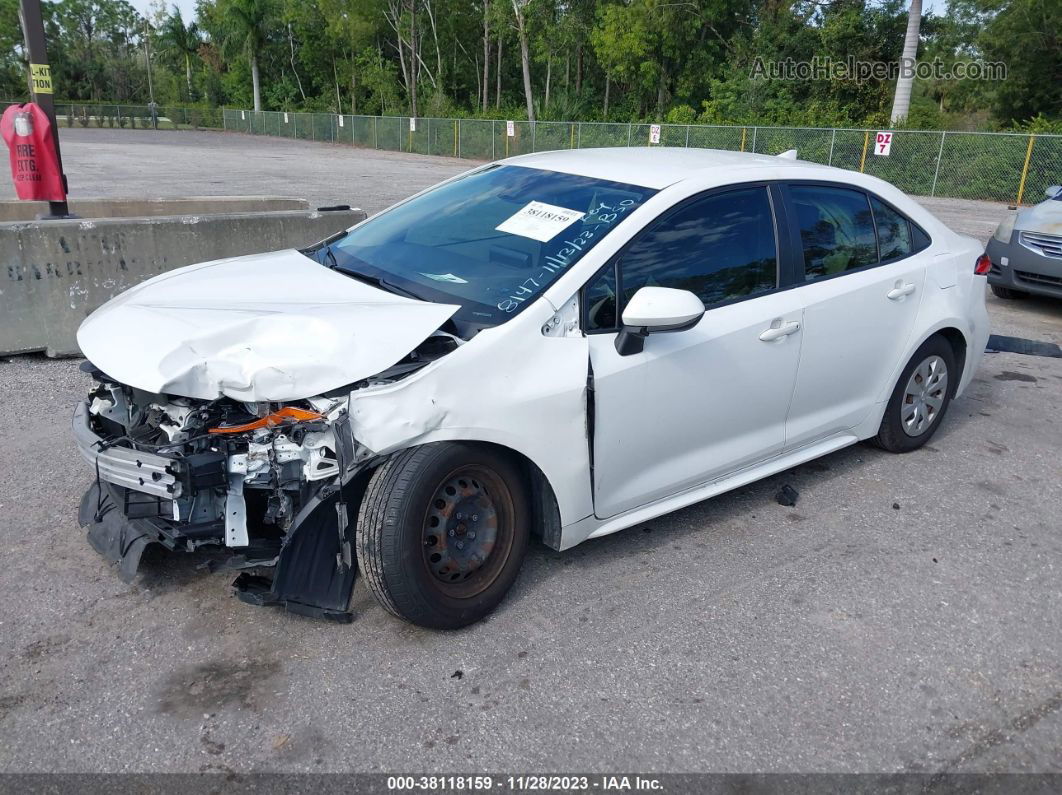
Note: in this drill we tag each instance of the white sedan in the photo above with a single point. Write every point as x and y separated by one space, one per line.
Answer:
562 344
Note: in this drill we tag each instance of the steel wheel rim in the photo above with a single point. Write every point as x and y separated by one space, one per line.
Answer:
468 531
924 396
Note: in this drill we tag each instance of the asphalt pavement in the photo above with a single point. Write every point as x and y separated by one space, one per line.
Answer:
904 615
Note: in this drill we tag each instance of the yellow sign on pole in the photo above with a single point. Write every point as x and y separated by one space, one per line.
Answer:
41 76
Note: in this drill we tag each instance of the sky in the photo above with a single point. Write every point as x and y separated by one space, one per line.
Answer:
146 6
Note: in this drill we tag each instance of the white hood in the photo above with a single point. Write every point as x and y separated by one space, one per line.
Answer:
274 327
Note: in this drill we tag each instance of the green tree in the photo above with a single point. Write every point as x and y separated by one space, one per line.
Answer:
181 42
245 28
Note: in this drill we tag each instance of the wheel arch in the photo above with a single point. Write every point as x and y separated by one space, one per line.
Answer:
545 508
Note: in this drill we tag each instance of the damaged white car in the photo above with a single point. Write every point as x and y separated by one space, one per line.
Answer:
560 345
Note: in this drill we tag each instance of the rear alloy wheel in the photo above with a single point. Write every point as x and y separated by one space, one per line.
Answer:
1007 292
442 532
920 399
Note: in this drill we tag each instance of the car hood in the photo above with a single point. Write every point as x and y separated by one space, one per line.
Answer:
1045 217
273 327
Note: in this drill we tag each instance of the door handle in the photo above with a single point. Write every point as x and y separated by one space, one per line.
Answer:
778 330
899 291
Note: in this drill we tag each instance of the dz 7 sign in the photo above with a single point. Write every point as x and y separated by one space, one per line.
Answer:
882 143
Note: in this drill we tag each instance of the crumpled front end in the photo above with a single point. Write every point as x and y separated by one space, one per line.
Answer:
264 481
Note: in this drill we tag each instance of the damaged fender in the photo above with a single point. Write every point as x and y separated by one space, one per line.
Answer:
521 385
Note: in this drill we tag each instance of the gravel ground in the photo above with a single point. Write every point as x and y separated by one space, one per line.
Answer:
905 615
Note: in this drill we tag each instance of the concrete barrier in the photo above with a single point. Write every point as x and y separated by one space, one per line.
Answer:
54 273
15 210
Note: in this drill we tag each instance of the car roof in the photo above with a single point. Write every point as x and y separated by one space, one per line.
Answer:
651 167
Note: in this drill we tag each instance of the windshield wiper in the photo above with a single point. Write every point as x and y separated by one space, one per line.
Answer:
378 281
332 263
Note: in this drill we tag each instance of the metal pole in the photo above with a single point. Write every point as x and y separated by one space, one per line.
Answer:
630 126
754 129
1025 169
687 136
41 86
863 159
833 137
936 171
151 87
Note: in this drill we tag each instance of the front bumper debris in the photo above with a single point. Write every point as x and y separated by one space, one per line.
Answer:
141 498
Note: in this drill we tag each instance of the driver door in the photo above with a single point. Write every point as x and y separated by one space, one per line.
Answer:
697 404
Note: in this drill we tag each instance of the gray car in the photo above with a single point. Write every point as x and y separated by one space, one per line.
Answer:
1026 250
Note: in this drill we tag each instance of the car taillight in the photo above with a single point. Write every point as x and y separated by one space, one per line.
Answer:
983 265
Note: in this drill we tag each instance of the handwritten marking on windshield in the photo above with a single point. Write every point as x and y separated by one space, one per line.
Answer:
601 218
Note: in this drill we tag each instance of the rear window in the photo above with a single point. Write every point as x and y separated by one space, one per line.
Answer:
836 229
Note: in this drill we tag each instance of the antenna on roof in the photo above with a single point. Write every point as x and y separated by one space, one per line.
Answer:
789 154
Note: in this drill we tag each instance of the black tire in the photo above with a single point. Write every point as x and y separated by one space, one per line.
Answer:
892 435
1007 293
418 506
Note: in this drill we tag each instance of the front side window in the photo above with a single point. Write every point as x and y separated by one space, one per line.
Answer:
836 229
491 241
721 247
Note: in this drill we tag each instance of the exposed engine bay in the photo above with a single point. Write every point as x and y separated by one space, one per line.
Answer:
270 482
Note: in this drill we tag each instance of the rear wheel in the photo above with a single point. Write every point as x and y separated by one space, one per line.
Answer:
920 399
442 532
1007 292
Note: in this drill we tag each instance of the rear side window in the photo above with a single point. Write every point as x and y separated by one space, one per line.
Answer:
836 229
721 247
894 232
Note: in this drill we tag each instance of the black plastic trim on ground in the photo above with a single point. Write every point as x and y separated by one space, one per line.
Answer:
997 343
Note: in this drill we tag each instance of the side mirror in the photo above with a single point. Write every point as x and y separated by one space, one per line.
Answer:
1053 191
653 310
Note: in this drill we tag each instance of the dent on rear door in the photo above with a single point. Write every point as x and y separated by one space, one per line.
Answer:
517 385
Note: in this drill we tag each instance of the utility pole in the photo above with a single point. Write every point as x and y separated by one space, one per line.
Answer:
41 84
152 108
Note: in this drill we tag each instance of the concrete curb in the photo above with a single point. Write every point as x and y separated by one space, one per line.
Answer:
53 274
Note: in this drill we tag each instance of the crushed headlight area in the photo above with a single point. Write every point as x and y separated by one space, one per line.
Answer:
262 480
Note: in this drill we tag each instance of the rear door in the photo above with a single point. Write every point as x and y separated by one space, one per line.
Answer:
861 283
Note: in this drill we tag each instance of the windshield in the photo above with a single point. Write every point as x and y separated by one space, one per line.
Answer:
491 241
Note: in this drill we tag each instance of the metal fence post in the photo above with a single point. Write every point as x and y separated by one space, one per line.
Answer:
493 142
375 133
1025 169
863 159
630 127
534 128
833 137
579 136
936 171
754 129
687 136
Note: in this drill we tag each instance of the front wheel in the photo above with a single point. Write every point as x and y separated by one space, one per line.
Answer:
920 399
442 532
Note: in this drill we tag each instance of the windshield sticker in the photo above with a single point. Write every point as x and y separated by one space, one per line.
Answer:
445 277
597 222
539 221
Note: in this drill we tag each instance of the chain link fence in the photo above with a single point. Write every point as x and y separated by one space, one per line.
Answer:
1006 167
138 117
